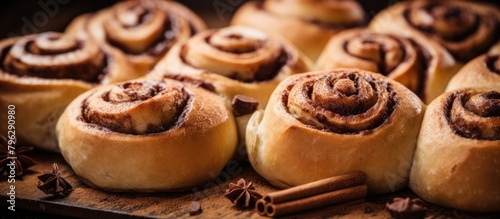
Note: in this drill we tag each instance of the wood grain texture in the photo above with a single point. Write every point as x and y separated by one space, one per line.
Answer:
87 202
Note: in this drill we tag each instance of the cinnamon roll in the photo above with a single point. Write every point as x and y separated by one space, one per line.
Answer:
465 28
40 75
139 31
482 72
147 135
234 61
328 123
308 24
423 67
457 161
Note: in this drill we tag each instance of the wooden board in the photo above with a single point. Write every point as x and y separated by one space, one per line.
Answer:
91 203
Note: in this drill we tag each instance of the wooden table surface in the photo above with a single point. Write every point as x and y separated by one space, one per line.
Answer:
91 203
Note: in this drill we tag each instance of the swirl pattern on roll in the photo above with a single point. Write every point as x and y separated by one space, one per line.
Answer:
137 107
396 57
147 27
333 122
384 50
463 28
159 125
475 115
54 56
345 103
238 53
329 14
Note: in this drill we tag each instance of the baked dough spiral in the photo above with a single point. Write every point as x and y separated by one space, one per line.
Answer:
328 123
423 67
147 135
458 167
466 29
234 61
142 31
482 72
308 24
40 74
51 55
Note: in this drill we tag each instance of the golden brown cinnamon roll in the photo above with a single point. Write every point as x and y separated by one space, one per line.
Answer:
140 31
329 123
482 72
147 135
234 61
423 67
458 150
308 24
466 29
40 75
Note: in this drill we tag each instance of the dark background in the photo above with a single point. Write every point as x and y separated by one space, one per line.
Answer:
21 17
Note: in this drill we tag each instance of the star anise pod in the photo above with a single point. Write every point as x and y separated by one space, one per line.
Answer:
406 208
21 161
52 182
242 194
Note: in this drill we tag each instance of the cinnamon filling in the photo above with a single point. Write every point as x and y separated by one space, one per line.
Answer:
137 107
156 48
131 91
239 53
269 70
346 103
466 33
425 59
448 21
385 50
235 43
392 55
475 116
52 45
485 105
54 56
141 28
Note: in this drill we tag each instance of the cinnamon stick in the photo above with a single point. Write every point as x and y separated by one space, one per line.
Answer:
317 201
317 187
260 207
321 193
